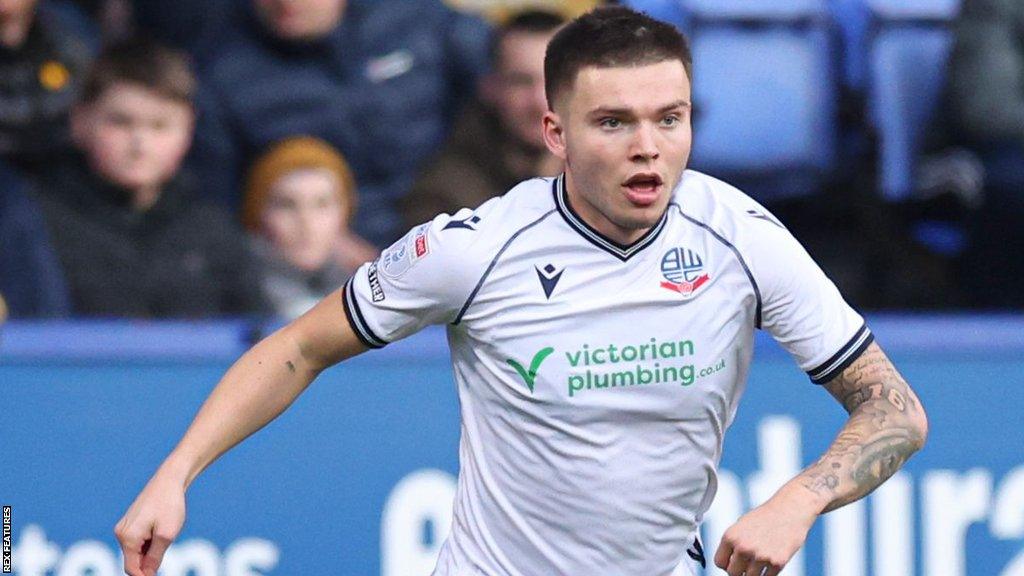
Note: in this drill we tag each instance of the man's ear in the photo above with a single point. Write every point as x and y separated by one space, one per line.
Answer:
554 134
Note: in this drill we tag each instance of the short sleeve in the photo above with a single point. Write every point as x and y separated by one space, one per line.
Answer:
801 308
423 278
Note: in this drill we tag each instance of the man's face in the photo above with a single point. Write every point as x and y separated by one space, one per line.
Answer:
516 88
625 136
300 19
303 217
134 137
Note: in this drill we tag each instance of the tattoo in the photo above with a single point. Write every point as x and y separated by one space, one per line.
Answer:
883 457
883 431
872 377
291 367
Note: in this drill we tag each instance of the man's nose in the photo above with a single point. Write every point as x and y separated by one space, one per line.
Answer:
644 146
136 140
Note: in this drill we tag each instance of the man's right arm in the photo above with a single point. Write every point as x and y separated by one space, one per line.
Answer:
254 391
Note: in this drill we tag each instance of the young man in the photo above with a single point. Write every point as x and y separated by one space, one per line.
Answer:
127 226
601 326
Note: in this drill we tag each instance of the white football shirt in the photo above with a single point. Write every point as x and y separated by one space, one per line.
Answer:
597 380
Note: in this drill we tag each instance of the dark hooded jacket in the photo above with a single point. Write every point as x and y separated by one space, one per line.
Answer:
181 258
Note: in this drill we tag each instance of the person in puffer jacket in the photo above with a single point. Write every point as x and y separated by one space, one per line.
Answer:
379 80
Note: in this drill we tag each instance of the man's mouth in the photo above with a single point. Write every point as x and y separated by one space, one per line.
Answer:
643 189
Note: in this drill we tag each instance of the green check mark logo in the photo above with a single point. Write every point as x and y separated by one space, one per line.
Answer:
530 375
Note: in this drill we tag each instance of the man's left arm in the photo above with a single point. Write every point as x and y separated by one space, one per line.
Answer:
887 424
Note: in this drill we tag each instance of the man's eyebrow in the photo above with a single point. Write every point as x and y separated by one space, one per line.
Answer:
629 111
674 105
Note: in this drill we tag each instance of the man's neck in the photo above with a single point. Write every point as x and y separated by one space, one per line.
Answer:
596 219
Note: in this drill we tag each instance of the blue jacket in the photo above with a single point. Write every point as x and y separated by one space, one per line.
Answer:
31 280
383 88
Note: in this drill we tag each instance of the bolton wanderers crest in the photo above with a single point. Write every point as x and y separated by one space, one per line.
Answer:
683 270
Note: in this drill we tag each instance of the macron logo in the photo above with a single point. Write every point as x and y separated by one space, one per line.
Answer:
548 276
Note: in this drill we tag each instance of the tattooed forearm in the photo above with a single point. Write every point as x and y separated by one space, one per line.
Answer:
886 426
883 457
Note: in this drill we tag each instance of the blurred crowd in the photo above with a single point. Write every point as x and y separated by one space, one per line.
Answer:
242 157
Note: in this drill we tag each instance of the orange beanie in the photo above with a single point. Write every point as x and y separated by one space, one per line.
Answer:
296 153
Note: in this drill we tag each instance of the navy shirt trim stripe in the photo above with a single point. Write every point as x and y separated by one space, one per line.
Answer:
739 257
357 320
842 359
620 251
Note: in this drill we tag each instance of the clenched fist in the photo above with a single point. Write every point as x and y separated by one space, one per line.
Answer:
151 523
762 541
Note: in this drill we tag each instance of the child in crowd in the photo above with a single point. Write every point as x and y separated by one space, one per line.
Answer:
299 200
129 229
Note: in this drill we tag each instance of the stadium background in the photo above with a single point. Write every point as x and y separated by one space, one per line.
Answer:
357 478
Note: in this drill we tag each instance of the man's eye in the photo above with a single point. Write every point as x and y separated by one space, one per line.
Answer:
670 120
610 123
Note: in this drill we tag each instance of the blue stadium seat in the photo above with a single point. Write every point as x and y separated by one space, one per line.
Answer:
909 47
914 10
764 106
851 20
907 72
761 10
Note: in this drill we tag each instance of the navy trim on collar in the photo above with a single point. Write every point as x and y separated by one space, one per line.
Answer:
621 251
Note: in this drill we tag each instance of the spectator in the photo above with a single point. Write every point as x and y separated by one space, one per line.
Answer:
986 114
299 199
45 49
378 80
497 142
31 281
129 232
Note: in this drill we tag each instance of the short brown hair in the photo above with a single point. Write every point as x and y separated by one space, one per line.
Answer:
159 68
608 37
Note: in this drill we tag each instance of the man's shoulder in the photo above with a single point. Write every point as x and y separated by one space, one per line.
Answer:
502 215
704 195
472 237
720 205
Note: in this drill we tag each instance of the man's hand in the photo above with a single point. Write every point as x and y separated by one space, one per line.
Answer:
887 424
150 525
763 540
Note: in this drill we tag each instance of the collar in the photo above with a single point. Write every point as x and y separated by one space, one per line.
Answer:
621 251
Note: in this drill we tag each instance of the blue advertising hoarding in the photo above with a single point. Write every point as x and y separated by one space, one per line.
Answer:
358 476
